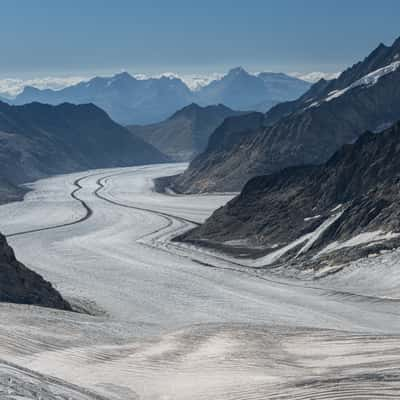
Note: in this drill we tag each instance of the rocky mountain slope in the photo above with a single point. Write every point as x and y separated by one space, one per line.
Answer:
19 284
185 134
129 100
317 215
232 133
308 130
37 140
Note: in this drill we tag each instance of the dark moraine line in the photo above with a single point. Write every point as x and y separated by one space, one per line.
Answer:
73 194
101 186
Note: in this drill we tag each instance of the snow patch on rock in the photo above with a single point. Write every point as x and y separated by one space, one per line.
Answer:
311 218
368 80
309 239
360 239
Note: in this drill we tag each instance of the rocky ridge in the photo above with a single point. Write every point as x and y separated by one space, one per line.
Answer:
306 131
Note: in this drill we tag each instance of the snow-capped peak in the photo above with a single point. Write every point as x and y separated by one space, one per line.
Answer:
237 71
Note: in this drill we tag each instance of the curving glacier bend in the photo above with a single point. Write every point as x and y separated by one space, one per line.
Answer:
171 321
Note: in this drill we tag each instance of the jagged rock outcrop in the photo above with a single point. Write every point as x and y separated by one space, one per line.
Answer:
10 192
18 284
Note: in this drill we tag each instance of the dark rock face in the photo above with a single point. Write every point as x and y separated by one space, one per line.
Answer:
38 140
358 189
234 132
185 134
10 192
308 130
145 101
19 284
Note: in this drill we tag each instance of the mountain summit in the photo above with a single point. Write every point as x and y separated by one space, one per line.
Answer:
243 91
308 130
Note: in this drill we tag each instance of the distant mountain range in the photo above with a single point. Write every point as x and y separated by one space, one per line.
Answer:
317 216
185 134
129 100
124 98
305 131
38 140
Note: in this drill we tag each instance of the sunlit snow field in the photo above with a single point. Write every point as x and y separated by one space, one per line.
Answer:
176 322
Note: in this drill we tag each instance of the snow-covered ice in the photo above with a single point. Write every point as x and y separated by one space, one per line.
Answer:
173 321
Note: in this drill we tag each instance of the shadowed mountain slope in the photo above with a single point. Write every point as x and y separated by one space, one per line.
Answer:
185 133
341 210
37 140
306 131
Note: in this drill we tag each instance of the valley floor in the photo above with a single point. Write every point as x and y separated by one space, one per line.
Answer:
174 322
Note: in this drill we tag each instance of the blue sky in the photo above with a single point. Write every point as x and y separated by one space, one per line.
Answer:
87 36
